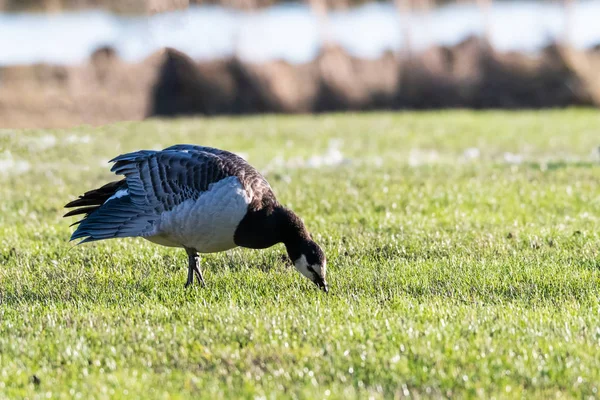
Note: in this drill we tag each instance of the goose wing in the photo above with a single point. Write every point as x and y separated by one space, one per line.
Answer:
161 180
157 181
258 188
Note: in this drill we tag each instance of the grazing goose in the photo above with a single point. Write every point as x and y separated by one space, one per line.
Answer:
202 199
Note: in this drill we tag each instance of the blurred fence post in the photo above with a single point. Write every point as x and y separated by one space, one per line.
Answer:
486 7
404 14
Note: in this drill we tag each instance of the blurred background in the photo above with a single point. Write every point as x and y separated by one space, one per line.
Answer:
70 62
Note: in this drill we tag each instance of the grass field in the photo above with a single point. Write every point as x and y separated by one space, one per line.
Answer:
463 261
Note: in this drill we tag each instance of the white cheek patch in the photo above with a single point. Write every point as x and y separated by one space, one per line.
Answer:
322 268
312 272
302 266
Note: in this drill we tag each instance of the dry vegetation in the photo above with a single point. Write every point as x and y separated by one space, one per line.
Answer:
169 83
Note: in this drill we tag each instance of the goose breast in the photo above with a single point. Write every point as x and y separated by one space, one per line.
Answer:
208 223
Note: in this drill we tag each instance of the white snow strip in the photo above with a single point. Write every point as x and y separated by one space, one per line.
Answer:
286 31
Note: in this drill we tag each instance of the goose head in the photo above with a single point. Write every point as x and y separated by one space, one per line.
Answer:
310 261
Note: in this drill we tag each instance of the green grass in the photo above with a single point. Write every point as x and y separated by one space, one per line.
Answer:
448 276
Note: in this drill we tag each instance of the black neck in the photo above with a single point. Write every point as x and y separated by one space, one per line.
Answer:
268 226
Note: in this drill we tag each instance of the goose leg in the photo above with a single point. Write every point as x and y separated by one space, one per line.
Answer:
194 268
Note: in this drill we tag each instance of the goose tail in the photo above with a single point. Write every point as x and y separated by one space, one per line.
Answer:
108 213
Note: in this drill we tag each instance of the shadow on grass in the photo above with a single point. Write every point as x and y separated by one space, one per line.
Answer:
557 165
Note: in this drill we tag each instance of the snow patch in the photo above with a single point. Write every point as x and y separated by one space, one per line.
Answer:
332 157
512 158
11 166
46 142
38 143
419 157
76 139
472 153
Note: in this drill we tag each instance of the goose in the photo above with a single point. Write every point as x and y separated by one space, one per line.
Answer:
201 199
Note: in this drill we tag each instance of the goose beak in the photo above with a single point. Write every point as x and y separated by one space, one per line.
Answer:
323 286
